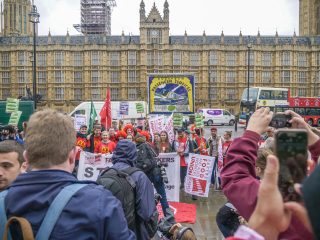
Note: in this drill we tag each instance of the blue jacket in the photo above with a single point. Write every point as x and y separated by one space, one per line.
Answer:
125 156
92 213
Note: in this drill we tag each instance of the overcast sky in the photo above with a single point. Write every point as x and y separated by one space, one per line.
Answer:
194 16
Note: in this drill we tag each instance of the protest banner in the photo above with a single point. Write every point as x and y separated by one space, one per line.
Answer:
79 120
12 105
219 165
172 162
90 165
139 108
177 120
14 118
168 93
199 120
124 108
156 124
169 128
199 173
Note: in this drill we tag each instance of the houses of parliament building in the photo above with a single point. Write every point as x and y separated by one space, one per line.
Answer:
76 68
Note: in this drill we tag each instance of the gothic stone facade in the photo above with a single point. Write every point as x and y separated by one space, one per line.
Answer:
72 69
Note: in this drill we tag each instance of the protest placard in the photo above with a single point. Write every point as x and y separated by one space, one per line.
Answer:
172 162
199 120
79 120
177 120
199 173
14 118
90 165
139 108
12 105
156 124
124 108
169 128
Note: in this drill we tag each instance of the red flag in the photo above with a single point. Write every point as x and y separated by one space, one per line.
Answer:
105 112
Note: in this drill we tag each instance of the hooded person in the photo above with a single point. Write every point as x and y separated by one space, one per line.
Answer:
147 156
125 156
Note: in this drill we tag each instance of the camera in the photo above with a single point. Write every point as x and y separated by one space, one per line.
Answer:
163 171
280 120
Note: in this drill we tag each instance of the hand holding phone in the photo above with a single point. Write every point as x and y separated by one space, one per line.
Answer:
291 149
280 120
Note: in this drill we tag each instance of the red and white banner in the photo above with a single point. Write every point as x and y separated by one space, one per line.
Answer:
162 123
199 173
168 127
90 165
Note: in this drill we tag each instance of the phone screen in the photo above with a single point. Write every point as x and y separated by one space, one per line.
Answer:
280 120
291 149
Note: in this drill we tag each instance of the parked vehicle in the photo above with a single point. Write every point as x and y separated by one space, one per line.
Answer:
217 117
128 111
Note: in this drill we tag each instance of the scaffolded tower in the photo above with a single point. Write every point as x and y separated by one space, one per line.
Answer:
96 16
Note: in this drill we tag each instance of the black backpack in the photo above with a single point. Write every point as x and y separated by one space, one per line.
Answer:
122 186
146 159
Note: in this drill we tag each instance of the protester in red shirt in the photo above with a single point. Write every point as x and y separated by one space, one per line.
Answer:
200 143
81 141
94 139
181 146
164 146
105 146
112 135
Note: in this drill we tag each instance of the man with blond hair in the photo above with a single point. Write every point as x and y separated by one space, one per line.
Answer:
91 213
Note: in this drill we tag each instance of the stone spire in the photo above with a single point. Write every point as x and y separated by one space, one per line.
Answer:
166 11
142 11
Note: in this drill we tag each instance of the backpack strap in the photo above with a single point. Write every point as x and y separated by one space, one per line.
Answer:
55 210
131 170
3 215
25 226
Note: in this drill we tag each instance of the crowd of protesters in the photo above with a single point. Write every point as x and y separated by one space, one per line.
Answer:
36 167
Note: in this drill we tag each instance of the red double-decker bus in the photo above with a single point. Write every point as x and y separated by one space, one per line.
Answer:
308 108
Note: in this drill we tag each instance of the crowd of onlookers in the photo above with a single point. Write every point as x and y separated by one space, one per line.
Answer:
48 149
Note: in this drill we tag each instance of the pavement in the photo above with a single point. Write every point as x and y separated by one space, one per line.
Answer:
205 227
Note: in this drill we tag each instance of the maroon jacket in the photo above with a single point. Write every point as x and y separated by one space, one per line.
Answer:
240 184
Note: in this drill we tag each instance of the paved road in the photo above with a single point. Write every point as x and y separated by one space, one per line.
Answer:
207 208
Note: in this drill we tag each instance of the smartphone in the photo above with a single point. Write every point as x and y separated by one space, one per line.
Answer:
291 150
280 120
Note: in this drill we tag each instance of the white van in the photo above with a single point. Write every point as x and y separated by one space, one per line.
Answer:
85 107
217 117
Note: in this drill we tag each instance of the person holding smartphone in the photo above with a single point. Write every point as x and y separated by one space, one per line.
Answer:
239 181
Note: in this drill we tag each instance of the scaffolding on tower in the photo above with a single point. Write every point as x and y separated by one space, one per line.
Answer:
95 17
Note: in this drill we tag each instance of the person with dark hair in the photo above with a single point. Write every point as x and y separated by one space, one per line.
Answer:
11 162
156 142
94 139
200 144
9 133
165 146
213 141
